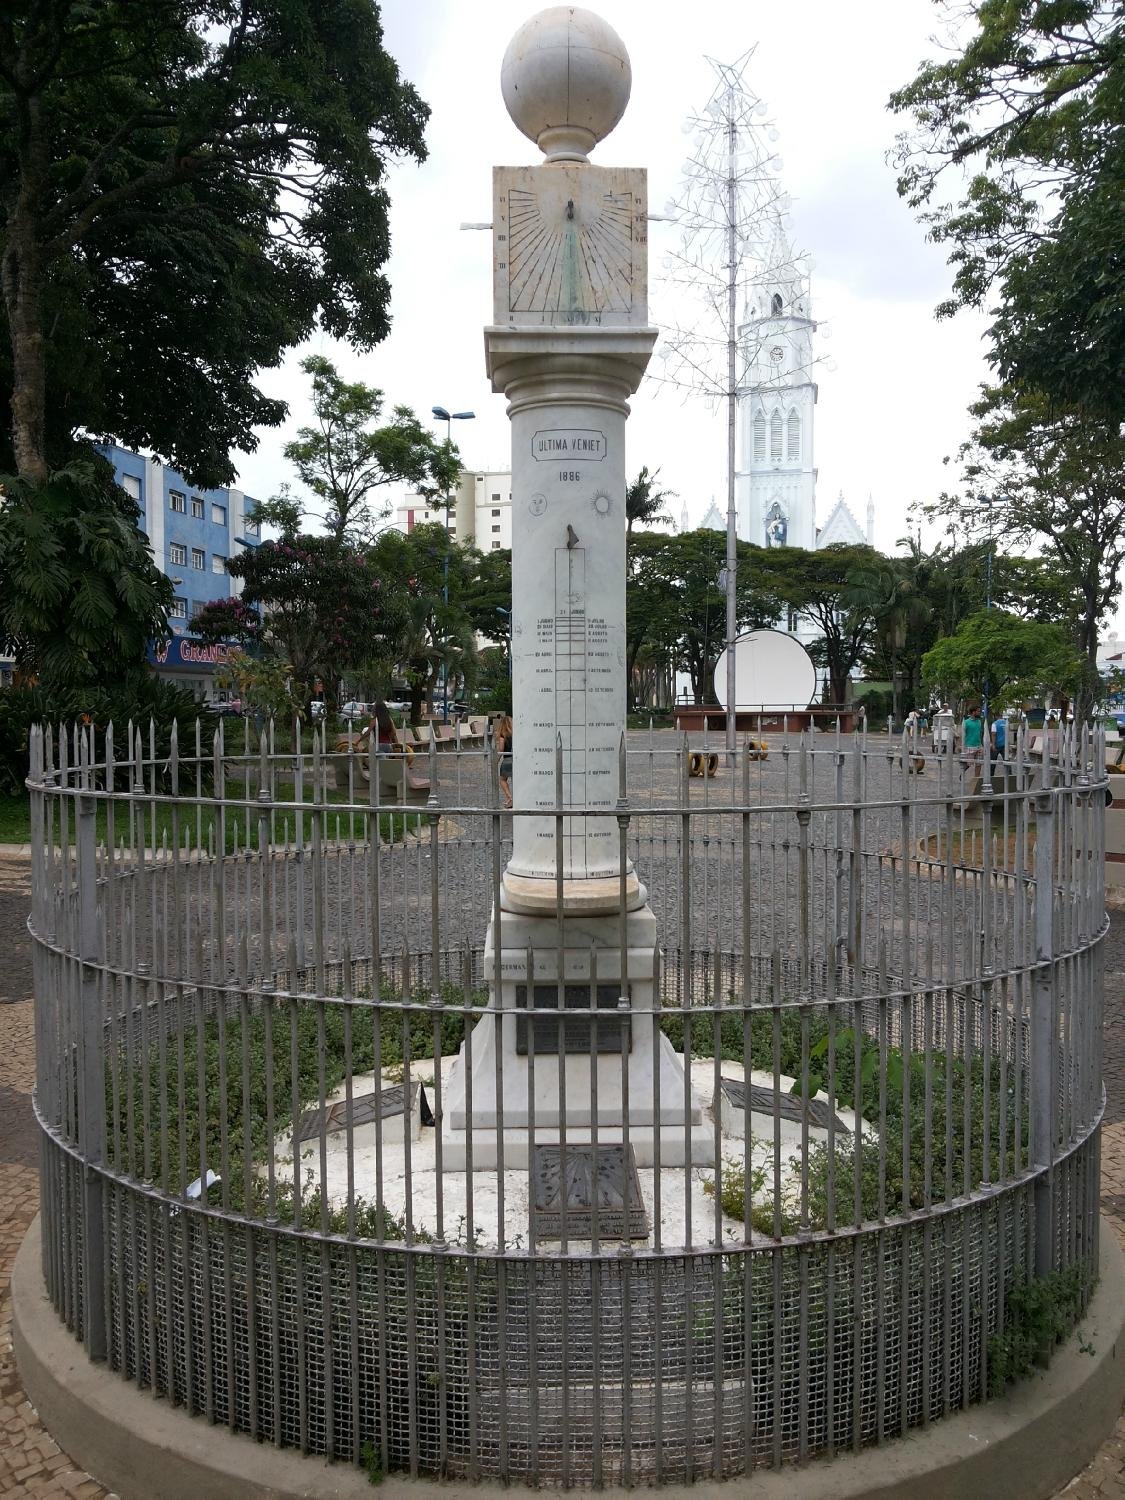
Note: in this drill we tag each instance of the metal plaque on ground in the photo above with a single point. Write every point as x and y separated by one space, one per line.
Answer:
789 1106
568 1192
365 1107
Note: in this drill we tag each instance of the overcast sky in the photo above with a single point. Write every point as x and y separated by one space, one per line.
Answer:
894 382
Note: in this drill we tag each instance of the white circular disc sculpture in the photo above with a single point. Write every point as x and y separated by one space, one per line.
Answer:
566 81
771 670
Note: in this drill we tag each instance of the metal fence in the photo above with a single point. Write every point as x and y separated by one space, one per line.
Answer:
881 967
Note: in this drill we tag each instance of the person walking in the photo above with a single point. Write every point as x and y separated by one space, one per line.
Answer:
1000 735
504 741
972 734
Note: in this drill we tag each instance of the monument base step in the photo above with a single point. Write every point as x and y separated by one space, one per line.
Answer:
677 1146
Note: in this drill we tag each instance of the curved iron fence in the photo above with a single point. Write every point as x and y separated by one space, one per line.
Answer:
882 971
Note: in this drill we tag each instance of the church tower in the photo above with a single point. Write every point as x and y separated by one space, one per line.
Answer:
777 482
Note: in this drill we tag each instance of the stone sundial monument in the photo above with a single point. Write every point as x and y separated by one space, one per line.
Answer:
569 343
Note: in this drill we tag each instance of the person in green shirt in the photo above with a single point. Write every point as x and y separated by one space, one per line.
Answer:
972 734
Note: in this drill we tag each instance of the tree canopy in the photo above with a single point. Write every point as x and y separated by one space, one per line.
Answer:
1030 115
187 190
1013 660
347 455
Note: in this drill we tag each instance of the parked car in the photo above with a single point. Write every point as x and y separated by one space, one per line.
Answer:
354 709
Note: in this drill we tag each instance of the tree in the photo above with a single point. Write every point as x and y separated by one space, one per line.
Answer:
80 596
1017 660
263 684
1056 479
643 503
329 609
227 620
488 597
347 456
888 590
187 190
436 633
1029 111
674 603
817 584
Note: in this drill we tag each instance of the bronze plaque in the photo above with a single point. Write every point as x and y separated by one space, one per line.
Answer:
566 1187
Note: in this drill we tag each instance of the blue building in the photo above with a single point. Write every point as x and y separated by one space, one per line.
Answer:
193 534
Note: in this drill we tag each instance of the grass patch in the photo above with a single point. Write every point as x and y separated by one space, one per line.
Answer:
158 824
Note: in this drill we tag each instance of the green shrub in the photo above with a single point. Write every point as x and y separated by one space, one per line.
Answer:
146 701
1038 1315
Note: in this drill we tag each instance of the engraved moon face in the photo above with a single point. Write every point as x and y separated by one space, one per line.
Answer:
537 504
602 503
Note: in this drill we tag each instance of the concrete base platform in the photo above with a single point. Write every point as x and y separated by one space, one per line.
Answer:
677 1146
1027 1445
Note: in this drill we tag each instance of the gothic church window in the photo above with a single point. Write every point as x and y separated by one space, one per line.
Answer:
775 305
775 435
794 435
760 437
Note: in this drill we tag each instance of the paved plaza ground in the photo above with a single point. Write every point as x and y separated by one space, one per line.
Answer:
32 1465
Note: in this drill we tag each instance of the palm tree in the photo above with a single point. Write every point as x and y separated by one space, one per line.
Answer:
888 590
643 501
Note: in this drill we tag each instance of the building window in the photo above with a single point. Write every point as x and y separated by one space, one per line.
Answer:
775 305
496 546
177 553
131 485
495 499
253 528
218 564
775 436
794 435
496 527
198 559
178 610
177 501
196 606
197 507
219 514
792 626
495 512
760 437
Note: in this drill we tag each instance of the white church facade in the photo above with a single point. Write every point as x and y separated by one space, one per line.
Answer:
776 485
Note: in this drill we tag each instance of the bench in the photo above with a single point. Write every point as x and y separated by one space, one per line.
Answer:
397 781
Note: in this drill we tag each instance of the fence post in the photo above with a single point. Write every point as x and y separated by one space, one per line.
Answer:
91 1042
1044 1040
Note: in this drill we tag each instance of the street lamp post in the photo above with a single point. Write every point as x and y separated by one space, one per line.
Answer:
987 501
448 417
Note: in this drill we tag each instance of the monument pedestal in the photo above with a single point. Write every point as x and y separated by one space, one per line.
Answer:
533 1071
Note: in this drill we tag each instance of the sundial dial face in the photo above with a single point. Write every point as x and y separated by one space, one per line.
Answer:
570 246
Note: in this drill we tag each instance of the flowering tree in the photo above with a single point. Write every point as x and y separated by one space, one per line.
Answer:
327 608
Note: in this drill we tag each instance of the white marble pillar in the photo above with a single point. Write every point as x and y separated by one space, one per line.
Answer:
567 392
568 346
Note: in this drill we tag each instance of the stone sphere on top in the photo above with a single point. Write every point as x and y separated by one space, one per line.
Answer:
566 80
